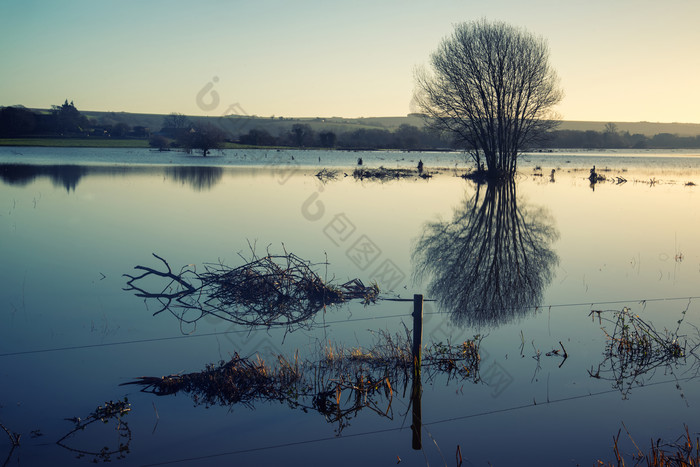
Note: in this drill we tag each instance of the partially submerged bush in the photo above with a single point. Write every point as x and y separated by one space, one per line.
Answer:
325 175
636 348
109 412
383 173
339 384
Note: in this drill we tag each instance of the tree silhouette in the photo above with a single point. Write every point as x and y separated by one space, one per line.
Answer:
327 139
302 135
68 119
492 87
491 262
16 121
203 138
176 120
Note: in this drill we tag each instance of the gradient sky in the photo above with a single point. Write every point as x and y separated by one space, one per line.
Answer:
623 60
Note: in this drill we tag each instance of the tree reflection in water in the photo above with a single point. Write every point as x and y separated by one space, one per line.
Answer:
199 178
491 262
66 176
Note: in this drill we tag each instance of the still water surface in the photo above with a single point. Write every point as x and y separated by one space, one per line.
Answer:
522 265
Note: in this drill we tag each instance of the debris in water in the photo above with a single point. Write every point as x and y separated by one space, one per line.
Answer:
636 348
273 290
338 384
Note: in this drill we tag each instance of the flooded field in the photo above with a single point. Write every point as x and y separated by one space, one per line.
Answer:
581 300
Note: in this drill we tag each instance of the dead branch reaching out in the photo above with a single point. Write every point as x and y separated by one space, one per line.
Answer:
273 290
176 289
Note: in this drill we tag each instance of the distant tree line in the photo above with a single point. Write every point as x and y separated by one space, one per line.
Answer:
61 121
179 131
407 137
611 138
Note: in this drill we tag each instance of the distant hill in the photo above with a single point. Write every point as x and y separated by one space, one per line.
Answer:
644 128
240 124
237 124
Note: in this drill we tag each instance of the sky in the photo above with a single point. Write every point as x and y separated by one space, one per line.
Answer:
617 60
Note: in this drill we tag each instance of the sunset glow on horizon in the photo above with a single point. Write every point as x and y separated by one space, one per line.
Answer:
617 61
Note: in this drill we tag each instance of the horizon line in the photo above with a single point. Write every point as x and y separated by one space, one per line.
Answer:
410 114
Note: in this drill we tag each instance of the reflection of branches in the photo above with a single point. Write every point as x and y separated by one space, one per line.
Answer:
68 176
339 385
326 175
492 261
111 410
14 439
635 349
683 452
271 290
199 178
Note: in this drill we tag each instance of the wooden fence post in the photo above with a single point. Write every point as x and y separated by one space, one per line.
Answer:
417 332
416 388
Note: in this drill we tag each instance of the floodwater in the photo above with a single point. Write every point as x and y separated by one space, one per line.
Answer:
522 265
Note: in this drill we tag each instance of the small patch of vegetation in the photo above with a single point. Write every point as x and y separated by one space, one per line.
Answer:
383 173
326 175
461 360
595 177
110 411
338 384
479 176
636 348
683 452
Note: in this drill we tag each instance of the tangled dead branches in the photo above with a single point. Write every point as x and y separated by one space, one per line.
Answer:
110 411
636 348
383 174
237 381
273 290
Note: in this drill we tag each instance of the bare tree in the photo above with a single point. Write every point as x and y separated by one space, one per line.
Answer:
176 120
203 138
491 86
611 128
302 135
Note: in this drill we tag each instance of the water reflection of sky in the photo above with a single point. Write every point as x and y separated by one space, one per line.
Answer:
67 236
